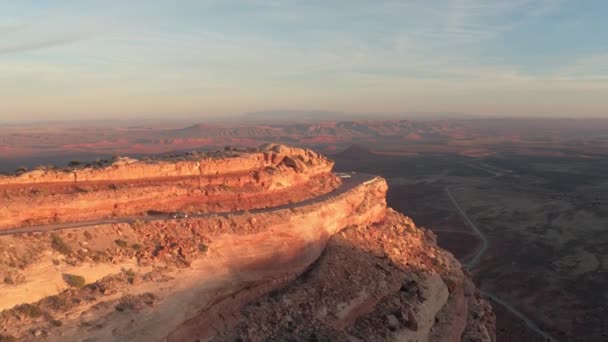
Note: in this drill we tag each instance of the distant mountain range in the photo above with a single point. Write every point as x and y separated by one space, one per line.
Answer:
32 145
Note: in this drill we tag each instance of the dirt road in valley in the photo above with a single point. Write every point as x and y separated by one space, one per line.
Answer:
349 182
472 261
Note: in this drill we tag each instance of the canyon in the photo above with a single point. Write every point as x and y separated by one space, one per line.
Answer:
269 244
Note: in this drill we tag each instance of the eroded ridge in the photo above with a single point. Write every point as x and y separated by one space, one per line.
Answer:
339 266
226 181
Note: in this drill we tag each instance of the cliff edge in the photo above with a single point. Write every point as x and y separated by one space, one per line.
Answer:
337 266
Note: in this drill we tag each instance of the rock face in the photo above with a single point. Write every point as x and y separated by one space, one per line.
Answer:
237 181
340 266
386 281
123 169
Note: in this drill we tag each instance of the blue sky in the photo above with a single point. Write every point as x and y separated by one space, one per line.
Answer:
195 59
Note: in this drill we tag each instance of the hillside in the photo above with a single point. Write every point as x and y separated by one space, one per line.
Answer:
334 264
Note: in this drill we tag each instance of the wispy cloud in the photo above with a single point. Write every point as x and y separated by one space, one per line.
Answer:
38 45
269 52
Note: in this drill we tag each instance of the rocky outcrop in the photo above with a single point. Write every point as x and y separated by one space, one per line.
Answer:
382 282
277 175
245 256
340 266
233 162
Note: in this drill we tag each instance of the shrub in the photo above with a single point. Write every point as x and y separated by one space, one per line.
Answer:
121 243
138 224
29 310
7 338
137 246
56 303
202 248
59 245
9 280
74 163
75 281
21 170
55 322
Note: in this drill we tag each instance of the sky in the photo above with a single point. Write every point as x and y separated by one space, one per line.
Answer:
97 60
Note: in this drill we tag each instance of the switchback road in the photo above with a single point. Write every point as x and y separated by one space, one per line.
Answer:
474 260
349 182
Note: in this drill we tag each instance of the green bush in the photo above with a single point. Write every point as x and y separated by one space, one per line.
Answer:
75 281
121 243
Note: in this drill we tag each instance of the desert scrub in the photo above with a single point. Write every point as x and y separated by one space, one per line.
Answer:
59 245
7 338
100 256
56 303
130 275
54 322
29 310
136 246
9 280
202 248
75 281
121 243
138 224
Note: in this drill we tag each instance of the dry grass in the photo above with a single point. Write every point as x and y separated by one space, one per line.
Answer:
59 245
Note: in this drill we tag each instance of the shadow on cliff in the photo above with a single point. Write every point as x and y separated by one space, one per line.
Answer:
350 270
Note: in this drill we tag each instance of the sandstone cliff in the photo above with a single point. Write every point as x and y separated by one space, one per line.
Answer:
338 266
237 181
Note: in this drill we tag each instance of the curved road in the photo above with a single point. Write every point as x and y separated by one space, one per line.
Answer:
352 181
349 181
474 260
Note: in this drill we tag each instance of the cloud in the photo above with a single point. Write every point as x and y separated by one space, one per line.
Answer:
38 45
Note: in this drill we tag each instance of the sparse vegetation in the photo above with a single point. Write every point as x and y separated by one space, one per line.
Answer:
29 310
121 243
74 163
56 303
55 322
7 338
99 256
9 280
88 235
137 246
130 275
138 224
136 303
21 171
59 245
75 281
202 248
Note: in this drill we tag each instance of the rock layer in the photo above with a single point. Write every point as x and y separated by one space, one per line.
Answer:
245 181
340 266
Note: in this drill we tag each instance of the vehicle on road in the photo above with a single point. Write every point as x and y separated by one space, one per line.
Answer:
178 215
